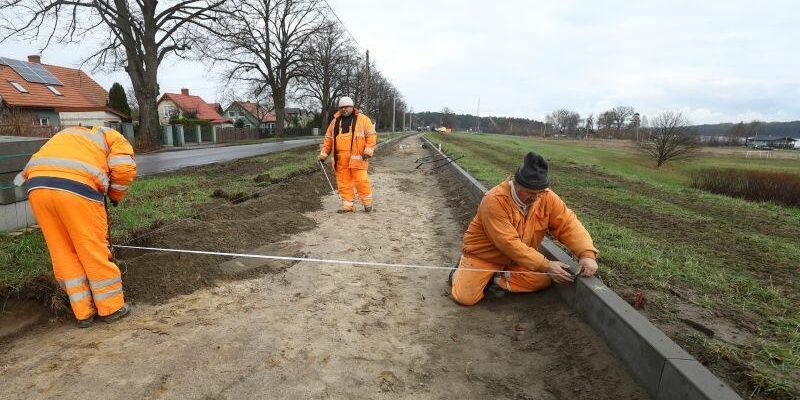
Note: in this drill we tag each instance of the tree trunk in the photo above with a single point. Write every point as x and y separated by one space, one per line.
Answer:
325 113
279 97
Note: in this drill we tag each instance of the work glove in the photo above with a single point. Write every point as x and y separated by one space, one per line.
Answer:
322 157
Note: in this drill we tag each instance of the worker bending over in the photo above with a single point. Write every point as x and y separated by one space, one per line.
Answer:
351 140
66 181
504 236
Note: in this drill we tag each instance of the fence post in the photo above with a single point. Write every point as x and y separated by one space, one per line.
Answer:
127 131
181 138
199 134
213 134
167 134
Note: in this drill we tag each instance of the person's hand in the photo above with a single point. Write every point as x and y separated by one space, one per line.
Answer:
366 157
588 266
559 272
322 157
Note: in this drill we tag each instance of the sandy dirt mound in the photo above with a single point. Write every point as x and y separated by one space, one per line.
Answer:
310 330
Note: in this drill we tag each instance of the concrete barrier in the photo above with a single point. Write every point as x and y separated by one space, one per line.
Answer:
15 211
662 367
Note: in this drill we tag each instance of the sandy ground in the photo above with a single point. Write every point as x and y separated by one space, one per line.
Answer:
326 331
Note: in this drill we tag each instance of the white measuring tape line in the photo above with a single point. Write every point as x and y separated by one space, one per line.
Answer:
322 260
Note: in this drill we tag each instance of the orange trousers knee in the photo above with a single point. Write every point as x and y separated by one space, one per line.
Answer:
468 285
76 230
350 181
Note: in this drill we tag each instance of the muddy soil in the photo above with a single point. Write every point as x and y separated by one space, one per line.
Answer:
272 216
308 330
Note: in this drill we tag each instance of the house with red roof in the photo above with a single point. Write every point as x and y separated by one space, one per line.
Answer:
185 105
53 95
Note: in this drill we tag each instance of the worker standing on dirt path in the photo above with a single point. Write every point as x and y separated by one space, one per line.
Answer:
504 236
66 181
351 139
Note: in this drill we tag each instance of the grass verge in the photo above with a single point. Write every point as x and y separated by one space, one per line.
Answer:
156 199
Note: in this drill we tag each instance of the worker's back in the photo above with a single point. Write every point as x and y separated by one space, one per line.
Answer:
99 159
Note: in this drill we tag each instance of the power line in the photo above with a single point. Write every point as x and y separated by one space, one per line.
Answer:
341 23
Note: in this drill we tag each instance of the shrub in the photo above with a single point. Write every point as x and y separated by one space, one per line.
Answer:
777 187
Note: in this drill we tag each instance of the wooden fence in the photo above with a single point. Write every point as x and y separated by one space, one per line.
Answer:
236 134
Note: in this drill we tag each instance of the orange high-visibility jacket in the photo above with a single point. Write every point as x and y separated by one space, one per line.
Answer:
500 234
362 143
91 163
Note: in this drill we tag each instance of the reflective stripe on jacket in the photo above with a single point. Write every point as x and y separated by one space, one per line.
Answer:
363 141
98 158
500 234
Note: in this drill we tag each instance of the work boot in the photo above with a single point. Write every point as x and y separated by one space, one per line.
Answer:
84 323
344 210
119 314
493 289
368 209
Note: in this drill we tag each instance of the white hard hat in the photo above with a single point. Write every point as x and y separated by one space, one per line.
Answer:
346 102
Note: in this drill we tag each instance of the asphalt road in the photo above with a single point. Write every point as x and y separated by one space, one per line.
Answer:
148 164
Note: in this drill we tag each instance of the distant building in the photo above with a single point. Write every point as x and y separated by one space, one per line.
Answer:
54 96
775 142
185 105
297 117
251 114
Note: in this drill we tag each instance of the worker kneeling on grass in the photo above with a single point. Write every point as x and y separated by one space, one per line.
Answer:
351 140
66 181
504 236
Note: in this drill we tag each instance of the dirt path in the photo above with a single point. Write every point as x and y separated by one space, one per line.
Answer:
321 331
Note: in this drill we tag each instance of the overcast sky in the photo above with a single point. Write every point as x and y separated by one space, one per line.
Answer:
716 61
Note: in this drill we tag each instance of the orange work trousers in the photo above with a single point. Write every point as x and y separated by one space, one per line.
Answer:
468 285
351 180
76 230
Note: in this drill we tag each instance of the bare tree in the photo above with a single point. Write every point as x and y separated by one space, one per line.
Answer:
565 121
670 138
621 116
138 36
261 43
331 60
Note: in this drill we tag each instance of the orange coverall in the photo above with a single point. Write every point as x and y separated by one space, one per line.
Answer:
348 148
66 181
502 238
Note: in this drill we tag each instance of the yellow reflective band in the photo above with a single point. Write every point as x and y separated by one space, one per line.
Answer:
117 160
74 164
79 295
104 283
103 296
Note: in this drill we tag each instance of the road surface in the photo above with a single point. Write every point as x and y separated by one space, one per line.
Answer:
148 164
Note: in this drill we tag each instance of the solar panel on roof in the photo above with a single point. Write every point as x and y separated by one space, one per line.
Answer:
35 73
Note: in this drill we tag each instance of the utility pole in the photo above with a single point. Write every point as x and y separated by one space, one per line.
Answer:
394 108
478 123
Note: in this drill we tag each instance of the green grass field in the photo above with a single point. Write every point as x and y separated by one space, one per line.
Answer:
726 263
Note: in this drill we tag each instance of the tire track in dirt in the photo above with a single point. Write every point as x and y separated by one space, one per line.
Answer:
314 331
